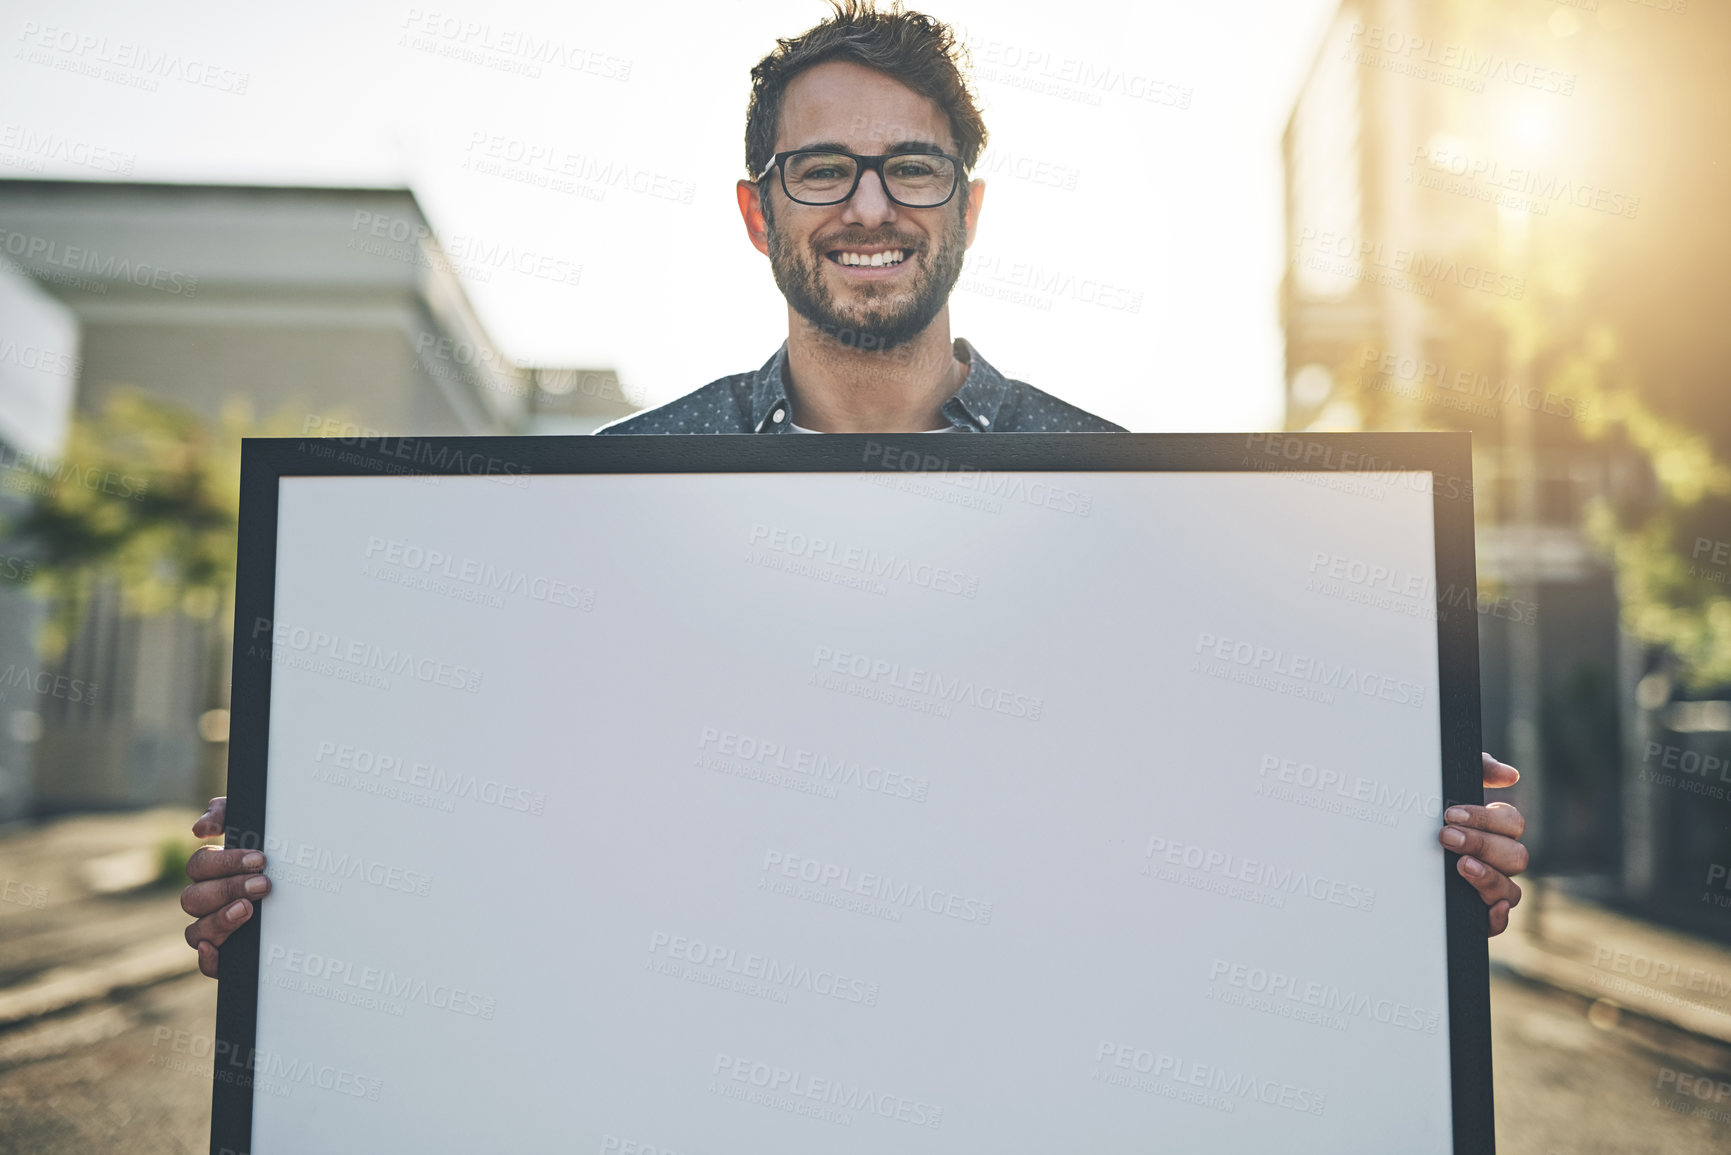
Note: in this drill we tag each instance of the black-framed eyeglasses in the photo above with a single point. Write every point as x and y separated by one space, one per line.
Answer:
821 176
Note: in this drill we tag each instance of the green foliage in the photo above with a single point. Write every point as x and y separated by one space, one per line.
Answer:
147 495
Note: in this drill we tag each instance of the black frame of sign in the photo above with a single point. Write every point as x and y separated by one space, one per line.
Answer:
963 461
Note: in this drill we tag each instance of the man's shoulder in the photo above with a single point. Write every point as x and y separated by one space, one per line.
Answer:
717 407
1030 410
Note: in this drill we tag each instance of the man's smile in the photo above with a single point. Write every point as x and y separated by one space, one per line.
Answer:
869 262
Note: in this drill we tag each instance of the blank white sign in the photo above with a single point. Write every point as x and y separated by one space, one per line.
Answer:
786 813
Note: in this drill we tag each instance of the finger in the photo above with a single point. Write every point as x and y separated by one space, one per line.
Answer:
1498 818
210 823
1494 850
202 898
1493 885
1499 774
207 956
215 928
1499 918
215 862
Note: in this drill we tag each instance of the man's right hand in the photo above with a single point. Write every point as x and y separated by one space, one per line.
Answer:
225 884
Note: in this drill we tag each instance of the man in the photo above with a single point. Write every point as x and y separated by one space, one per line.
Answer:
859 136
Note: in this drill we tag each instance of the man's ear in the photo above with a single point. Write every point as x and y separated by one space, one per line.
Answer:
976 198
751 210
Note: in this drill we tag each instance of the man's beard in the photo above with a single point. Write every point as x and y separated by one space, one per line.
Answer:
873 325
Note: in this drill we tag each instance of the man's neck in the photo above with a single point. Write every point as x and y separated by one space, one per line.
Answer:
838 388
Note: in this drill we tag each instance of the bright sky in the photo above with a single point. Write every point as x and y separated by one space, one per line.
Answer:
1128 257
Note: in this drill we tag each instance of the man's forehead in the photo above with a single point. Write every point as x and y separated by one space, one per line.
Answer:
840 102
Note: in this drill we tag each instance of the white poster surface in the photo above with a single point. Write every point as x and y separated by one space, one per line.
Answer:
783 813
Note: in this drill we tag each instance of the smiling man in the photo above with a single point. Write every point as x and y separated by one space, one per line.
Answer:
858 139
859 136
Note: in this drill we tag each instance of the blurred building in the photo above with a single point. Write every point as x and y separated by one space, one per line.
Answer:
339 307
1449 165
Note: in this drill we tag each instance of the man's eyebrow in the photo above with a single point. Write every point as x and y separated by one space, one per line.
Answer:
898 146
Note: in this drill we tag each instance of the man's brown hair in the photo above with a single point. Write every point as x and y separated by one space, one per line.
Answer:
915 50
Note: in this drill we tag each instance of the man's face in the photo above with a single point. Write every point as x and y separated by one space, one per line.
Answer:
863 111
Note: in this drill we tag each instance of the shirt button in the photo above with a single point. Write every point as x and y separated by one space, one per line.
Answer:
777 416
985 421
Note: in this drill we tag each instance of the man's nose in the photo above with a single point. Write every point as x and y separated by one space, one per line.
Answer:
869 205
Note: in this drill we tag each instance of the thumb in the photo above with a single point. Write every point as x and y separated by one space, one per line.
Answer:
1498 774
214 820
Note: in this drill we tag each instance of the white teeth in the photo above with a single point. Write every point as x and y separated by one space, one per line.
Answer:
875 260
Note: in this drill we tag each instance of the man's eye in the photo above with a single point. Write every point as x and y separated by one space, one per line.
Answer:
822 172
912 169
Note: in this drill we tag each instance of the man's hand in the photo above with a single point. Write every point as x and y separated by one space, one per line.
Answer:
224 885
1488 840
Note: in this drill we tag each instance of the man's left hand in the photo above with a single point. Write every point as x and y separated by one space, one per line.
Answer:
1488 839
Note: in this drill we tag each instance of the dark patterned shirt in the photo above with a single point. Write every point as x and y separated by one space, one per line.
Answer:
756 402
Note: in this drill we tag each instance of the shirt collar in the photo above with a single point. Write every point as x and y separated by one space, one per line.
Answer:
974 407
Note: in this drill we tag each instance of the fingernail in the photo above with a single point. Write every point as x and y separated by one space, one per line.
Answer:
1453 837
1472 866
1456 814
252 861
236 910
256 885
